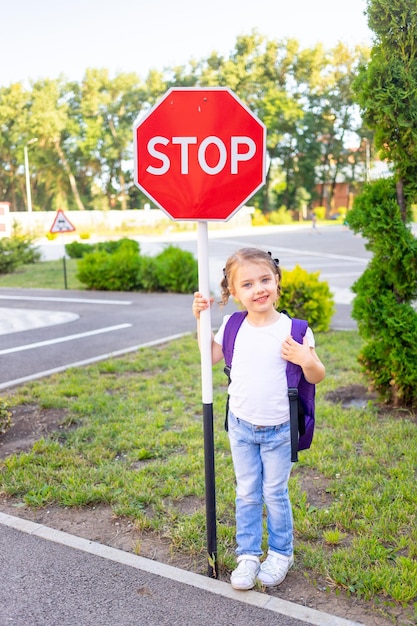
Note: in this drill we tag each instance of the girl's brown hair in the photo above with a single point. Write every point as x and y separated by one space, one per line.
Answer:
252 255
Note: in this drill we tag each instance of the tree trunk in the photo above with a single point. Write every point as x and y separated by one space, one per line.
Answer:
265 194
71 177
122 195
401 199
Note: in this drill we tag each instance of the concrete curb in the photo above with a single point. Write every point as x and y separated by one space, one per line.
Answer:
254 598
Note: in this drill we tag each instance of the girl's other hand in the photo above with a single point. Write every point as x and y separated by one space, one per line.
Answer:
296 352
200 304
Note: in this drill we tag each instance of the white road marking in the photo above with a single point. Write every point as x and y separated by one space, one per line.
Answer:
15 320
56 299
297 252
51 342
94 359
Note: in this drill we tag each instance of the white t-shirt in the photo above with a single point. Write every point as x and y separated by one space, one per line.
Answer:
259 391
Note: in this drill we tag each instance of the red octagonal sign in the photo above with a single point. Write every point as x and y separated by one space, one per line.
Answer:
199 153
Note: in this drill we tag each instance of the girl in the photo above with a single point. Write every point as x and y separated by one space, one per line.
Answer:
259 427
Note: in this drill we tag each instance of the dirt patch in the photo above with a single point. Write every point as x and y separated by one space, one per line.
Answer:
29 424
350 396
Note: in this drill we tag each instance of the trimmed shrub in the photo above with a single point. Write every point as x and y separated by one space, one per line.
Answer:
118 244
176 270
303 295
386 293
122 268
147 275
77 249
110 272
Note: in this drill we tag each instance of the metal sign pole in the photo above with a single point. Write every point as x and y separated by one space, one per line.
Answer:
207 397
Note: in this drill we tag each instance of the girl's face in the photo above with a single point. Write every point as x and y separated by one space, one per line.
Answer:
255 286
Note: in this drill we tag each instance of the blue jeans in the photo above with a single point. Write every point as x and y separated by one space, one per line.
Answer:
262 463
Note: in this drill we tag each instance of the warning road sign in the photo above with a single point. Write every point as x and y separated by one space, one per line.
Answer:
61 224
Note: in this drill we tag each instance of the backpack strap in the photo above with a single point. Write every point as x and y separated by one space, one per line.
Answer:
233 324
294 373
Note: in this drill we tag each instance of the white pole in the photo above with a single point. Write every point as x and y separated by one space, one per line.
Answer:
205 316
28 190
28 193
207 392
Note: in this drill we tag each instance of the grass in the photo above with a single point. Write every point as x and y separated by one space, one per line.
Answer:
135 442
132 438
43 275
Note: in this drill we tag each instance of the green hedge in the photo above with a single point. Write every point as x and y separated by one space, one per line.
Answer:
304 296
123 268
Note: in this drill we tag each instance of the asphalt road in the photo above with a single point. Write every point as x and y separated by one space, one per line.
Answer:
44 331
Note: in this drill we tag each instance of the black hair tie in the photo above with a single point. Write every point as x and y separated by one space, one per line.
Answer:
276 261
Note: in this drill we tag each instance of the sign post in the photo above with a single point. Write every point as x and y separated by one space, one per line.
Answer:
200 155
61 224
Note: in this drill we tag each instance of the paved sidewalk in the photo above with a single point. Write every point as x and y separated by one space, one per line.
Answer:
51 578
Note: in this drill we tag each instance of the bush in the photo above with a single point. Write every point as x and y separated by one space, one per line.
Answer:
176 270
259 218
280 216
303 295
386 294
77 249
110 272
320 212
15 251
147 275
122 268
118 244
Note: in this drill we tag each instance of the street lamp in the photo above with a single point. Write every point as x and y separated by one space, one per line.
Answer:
28 192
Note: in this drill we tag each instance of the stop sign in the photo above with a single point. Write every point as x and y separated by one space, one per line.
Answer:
199 153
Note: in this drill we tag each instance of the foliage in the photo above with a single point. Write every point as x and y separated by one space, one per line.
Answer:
320 212
176 270
280 216
122 268
387 90
385 302
15 251
103 271
82 155
5 416
259 218
77 249
304 296
135 444
383 306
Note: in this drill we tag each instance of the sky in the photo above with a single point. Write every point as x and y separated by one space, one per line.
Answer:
46 39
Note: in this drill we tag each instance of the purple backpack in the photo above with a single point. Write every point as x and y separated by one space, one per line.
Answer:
300 392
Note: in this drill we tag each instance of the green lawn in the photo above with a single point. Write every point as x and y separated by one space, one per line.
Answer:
43 275
132 438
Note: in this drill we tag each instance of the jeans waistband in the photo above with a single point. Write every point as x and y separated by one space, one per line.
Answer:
256 426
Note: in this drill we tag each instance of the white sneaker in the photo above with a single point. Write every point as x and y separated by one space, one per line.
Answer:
244 576
274 569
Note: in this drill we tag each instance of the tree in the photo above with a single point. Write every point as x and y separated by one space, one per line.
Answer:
384 305
107 108
387 91
13 118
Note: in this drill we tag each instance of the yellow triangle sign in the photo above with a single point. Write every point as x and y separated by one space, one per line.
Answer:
61 223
